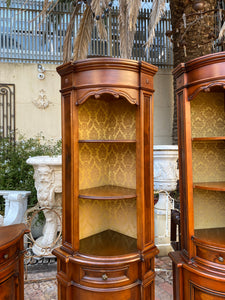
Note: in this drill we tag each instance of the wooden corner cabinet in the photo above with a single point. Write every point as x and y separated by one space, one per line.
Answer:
11 262
199 268
108 246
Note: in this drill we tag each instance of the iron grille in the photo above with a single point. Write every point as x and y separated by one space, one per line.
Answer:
7 111
24 38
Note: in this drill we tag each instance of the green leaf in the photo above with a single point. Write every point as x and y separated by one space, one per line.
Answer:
15 173
8 2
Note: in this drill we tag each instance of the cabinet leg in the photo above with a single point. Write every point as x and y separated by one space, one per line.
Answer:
148 292
64 291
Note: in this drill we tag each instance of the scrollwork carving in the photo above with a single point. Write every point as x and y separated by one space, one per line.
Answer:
41 101
97 94
206 88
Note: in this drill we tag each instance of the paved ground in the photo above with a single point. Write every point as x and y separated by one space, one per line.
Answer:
164 279
42 285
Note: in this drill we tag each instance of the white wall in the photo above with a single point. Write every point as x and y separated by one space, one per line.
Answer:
163 107
31 120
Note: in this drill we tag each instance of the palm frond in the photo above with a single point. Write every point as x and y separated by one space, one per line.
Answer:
67 41
101 30
158 8
128 13
47 8
97 7
84 35
222 32
123 27
133 11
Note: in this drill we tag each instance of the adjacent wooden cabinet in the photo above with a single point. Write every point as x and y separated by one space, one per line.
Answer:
108 246
199 268
11 262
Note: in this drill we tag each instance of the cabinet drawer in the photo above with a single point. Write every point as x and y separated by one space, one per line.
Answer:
106 276
6 254
146 81
211 255
132 293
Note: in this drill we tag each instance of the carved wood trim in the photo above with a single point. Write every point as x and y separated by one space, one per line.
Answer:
206 88
97 94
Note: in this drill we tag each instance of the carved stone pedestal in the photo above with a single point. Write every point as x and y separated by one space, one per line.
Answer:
48 182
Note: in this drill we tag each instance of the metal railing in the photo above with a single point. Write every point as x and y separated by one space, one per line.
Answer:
7 111
24 38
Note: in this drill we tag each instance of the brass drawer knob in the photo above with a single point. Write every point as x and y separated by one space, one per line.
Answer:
104 277
220 259
6 256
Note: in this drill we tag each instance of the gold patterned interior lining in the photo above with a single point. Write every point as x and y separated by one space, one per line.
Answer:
208 161
209 209
208 120
100 164
207 115
107 118
107 164
100 215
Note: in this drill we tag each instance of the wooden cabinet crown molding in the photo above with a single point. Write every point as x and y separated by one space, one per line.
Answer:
200 74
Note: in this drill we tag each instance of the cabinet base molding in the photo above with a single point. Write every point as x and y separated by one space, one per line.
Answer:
191 282
128 277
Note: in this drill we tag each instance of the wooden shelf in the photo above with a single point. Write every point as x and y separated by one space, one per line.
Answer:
107 141
213 138
211 186
108 192
211 236
108 243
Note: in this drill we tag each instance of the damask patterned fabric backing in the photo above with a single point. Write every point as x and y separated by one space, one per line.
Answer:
107 118
102 164
208 161
209 208
100 215
208 109
208 120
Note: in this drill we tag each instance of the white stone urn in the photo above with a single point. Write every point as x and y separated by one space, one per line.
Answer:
48 183
166 174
